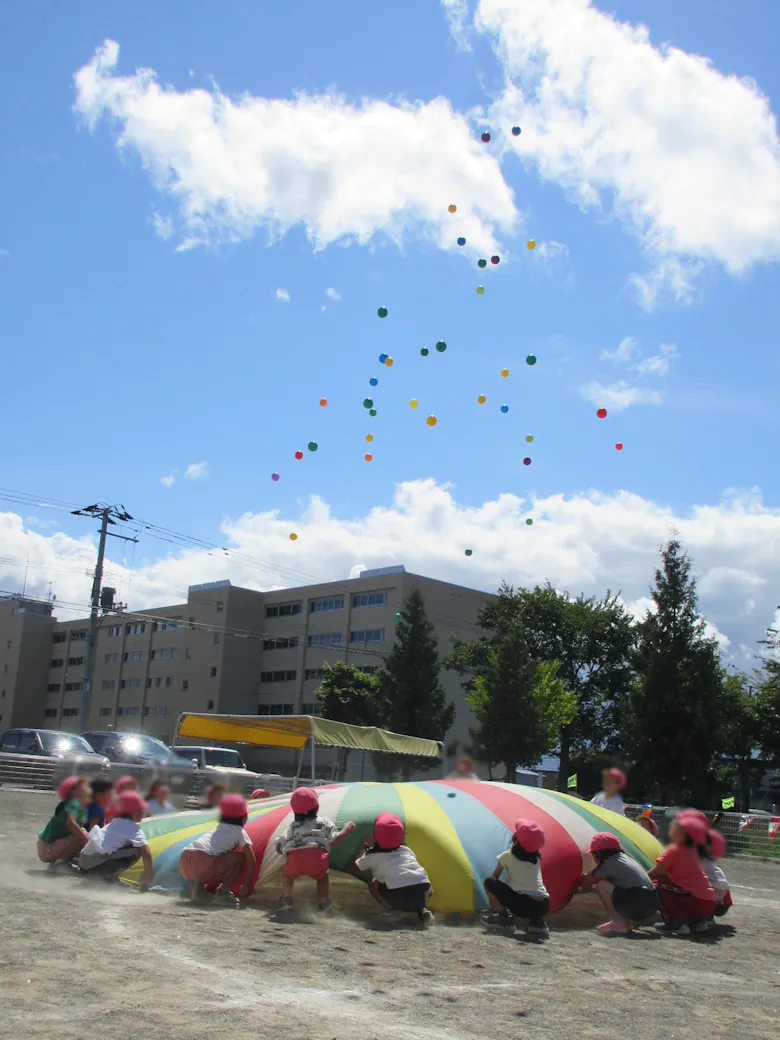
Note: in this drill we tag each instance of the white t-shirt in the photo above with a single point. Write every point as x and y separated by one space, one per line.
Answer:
396 869
155 808
610 801
718 879
224 838
524 877
119 834
308 834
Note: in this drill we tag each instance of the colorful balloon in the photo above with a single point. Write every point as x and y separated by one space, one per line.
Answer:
504 408
495 259
299 455
529 438
382 359
481 399
396 618
431 420
413 403
601 413
373 381
389 362
480 290
452 207
468 552
529 522
516 131
531 359
531 244
368 402
485 137
369 437
312 445
293 537
461 241
372 412
619 446
504 372
382 312
323 402
441 346
526 461
424 351
368 457
482 262
274 476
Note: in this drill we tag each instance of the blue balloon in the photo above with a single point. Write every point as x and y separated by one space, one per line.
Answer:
383 358
461 241
373 381
504 407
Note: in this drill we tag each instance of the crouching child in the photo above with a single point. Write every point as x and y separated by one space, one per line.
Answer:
217 861
115 848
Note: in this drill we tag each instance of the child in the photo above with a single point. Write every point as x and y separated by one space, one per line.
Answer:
399 884
124 783
117 846
157 803
259 792
64 836
648 823
102 791
306 845
625 889
525 896
213 796
216 861
715 849
684 890
609 797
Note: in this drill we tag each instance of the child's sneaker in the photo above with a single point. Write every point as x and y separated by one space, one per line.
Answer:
325 909
704 926
198 893
224 897
541 931
673 928
426 918
498 919
389 917
615 928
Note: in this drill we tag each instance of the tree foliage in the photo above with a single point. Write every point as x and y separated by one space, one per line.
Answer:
348 695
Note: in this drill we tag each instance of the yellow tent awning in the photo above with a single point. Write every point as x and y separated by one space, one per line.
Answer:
294 731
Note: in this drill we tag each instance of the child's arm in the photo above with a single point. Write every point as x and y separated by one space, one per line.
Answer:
249 871
146 856
345 830
659 873
498 871
586 883
75 827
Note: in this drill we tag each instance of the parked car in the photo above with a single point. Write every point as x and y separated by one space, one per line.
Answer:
221 765
145 757
43 757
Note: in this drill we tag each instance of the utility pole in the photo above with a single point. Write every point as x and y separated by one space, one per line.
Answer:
108 516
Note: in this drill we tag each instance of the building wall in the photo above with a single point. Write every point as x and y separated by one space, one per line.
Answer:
25 638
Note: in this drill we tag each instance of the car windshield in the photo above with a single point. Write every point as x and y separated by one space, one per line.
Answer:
224 758
136 744
59 743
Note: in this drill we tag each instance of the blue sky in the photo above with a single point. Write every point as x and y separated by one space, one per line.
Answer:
144 234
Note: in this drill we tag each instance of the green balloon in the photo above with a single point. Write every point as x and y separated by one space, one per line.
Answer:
529 522
382 312
469 552
397 618
368 403
313 445
424 351
441 346
529 437
530 360
481 263
372 412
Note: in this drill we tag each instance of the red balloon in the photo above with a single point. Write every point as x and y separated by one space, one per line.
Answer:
602 413
485 137
619 446
299 454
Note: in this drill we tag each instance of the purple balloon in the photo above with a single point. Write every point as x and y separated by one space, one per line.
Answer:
274 476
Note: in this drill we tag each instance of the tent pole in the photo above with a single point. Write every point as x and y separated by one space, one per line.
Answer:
312 757
298 769
362 763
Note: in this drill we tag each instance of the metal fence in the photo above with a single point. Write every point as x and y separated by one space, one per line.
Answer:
747 834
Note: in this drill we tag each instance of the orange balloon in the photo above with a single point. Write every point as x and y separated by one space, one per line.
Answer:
531 244
323 401
452 207
431 420
481 399
293 537
368 458
369 437
389 362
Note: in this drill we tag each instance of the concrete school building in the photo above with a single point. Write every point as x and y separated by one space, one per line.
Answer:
228 650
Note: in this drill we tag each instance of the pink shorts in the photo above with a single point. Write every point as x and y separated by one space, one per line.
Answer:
212 871
59 849
311 863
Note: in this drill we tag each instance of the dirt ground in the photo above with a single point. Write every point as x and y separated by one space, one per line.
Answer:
80 959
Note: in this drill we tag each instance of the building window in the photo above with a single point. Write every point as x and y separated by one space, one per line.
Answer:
217 638
280 644
220 606
213 672
274 709
187 654
269 677
159 709
136 629
310 709
313 673
192 622
112 658
165 626
81 634
164 681
72 687
367 635
369 599
337 603
70 713
57 662
114 630
127 711
209 705
109 684
135 655
168 653
72 661
285 610
60 637
325 639
50 713
106 711
130 684
53 687
185 684
368 669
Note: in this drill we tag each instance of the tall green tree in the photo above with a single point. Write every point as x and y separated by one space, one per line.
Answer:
768 710
348 695
590 638
741 767
519 703
415 701
677 706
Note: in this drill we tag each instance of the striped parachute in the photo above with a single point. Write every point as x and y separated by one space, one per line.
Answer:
456 828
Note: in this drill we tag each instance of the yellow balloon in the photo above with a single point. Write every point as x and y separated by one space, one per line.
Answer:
480 290
504 372
431 420
481 399
389 362
531 244
369 437
293 537
452 207
413 403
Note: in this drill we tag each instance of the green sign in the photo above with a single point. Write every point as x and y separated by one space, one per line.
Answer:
728 803
571 782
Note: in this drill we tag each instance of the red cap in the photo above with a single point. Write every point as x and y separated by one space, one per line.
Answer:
124 783
697 814
388 831
304 800
67 787
618 775
693 826
653 825
129 803
233 805
259 792
604 840
717 844
529 834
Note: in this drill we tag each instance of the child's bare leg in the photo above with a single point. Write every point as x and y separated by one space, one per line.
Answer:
373 888
287 886
495 902
235 872
323 890
603 890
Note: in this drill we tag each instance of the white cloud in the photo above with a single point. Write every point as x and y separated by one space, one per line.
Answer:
618 396
626 350
657 364
332 294
686 156
197 471
168 481
587 542
343 171
551 251
283 295
458 17
163 226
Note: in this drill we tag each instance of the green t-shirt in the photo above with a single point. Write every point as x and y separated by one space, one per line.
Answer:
57 827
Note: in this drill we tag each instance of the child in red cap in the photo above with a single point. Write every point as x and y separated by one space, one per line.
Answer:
713 850
399 883
124 783
613 781
64 835
524 895
687 898
306 846
221 858
116 847
625 889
